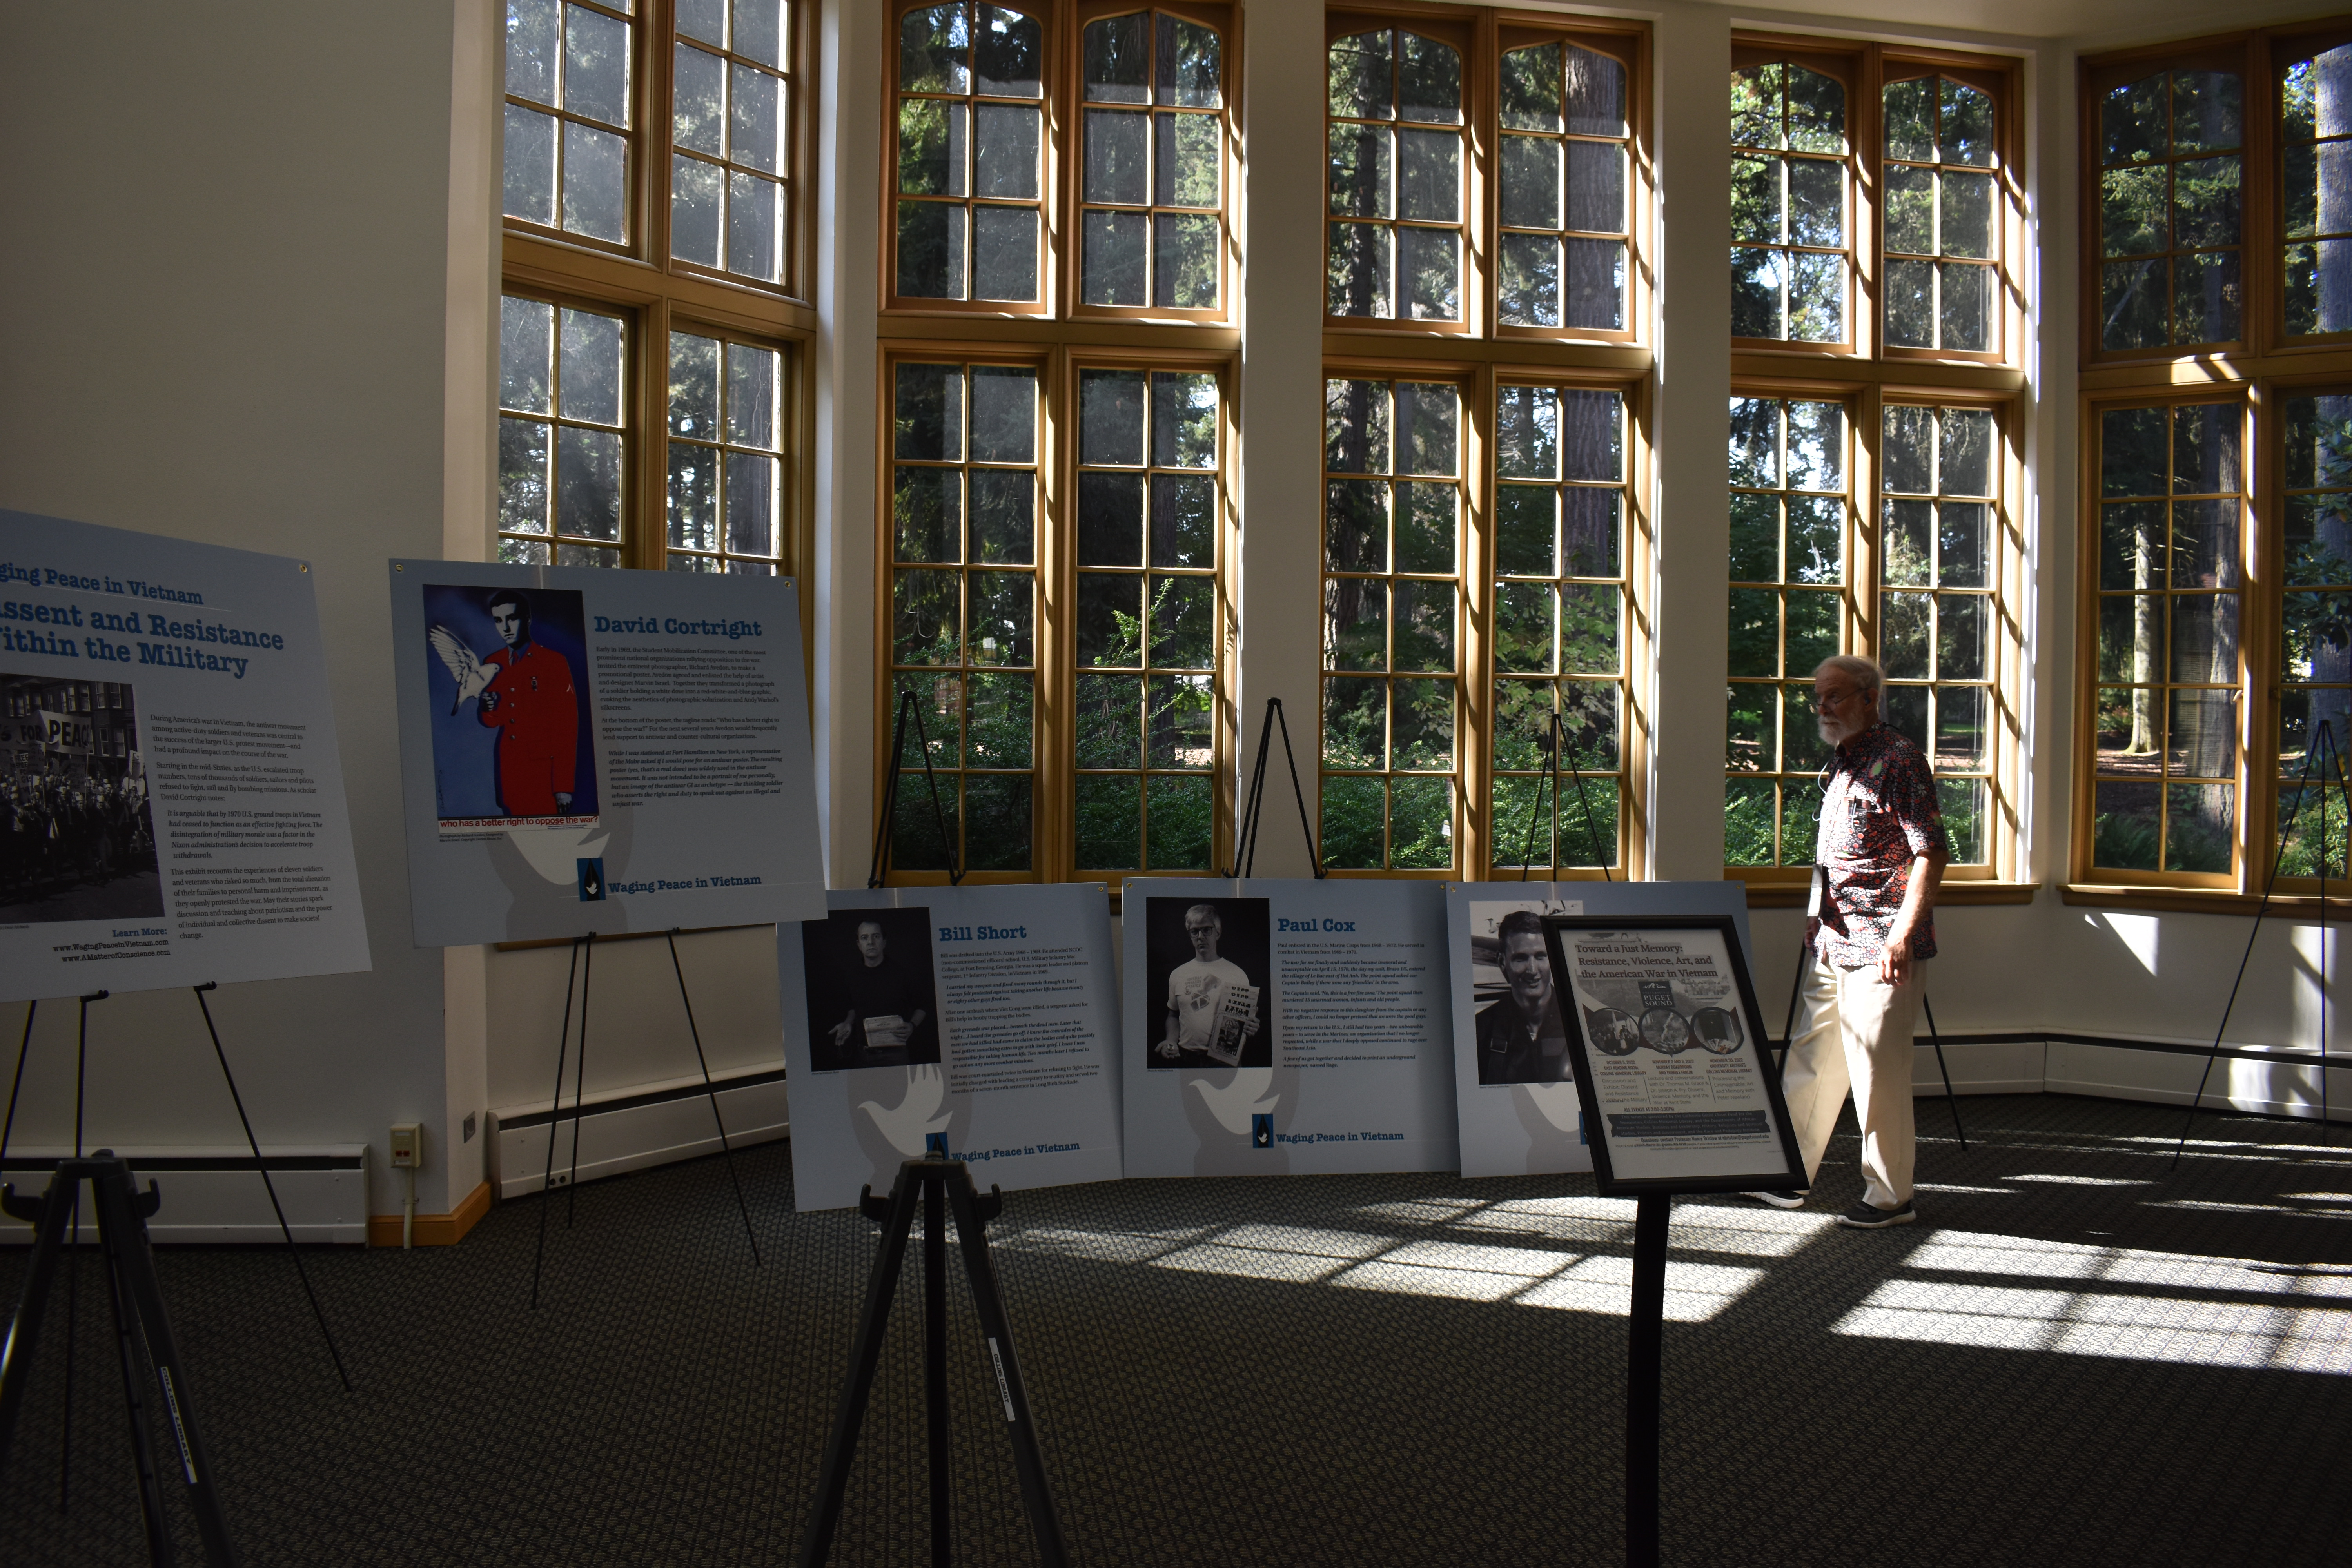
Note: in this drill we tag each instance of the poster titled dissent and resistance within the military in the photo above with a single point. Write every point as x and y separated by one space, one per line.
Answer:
595 751
173 798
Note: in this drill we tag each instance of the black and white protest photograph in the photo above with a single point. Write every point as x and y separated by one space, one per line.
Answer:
873 996
81 838
1209 963
1521 1037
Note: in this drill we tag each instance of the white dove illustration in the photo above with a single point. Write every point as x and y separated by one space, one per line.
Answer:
471 675
1234 1103
1557 1101
922 1109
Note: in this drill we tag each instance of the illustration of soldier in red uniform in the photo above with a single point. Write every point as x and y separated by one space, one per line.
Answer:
527 697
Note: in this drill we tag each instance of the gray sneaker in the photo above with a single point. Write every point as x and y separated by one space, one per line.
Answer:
1778 1198
1867 1215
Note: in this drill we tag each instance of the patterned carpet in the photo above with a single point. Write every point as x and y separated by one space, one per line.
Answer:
2072 1360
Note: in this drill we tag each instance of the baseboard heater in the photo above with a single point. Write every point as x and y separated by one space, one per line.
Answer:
216 1195
652 1124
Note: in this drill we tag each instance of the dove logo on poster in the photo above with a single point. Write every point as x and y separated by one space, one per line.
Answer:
591 881
1261 1131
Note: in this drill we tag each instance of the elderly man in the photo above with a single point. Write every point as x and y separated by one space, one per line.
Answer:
1871 925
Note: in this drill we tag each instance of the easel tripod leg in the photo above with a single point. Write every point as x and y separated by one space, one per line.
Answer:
555 1105
50 1214
726 1150
1950 1098
1643 1377
988 1305
935 1362
125 1231
270 1187
143 1437
865 1360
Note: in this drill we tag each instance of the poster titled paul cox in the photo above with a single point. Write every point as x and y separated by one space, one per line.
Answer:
587 751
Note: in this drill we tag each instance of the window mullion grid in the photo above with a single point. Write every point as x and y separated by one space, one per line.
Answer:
2315 675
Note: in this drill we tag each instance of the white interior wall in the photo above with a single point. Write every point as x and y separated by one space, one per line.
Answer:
224 315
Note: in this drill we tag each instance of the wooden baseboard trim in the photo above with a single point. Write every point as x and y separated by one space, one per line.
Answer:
433 1229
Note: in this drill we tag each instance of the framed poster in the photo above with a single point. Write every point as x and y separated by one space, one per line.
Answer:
596 751
976 1021
1669 1054
1286 1027
1513 1090
172 794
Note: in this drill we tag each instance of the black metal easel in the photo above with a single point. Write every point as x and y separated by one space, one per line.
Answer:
886 817
584 973
142 1336
1645 1376
1555 742
1245 839
2324 742
943 1184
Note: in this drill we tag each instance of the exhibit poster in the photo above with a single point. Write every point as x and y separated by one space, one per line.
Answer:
979 1022
1514 1085
1286 1027
598 751
175 797
1670 1054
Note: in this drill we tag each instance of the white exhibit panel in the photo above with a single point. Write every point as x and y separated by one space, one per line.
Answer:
175 793
977 1022
1281 1027
1514 1085
598 751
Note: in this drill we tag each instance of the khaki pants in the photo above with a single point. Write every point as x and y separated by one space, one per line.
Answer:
1856 1031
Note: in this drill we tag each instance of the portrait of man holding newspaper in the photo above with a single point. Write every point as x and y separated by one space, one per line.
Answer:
1214 954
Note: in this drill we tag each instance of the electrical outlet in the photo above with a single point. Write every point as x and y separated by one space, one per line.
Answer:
470 1127
407 1146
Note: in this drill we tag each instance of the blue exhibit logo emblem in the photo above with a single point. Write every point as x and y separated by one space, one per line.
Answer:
935 1145
591 881
1261 1131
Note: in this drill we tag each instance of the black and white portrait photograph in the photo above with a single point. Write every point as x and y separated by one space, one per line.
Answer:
873 998
1210 961
1522 1035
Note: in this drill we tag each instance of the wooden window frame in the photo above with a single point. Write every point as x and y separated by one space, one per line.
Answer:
1867 69
1630 47
1482 35
1054 769
2262 369
2281 48
1472 457
1070 231
655 294
1484 844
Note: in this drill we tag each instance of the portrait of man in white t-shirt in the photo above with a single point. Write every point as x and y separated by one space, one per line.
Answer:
1197 990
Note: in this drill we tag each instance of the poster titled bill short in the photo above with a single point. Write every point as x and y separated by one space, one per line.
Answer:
1286 1027
172 796
977 1023
594 751
873 999
508 684
1207 960
1514 1075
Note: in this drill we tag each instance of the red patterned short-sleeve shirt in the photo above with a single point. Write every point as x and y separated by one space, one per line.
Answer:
1879 814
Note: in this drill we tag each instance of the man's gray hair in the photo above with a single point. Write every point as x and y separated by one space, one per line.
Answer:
1864 675
1208 910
